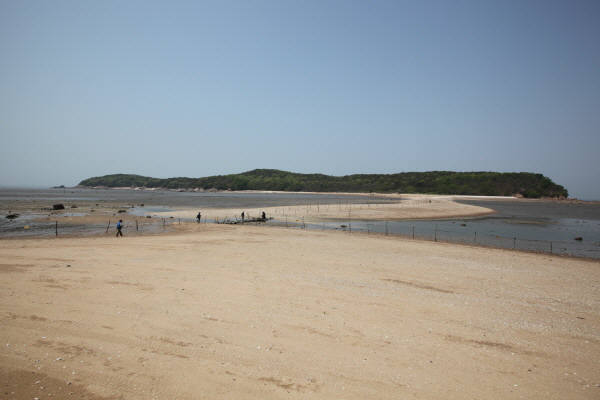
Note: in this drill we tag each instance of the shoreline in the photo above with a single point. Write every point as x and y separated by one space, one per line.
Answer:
376 194
187 227
395 208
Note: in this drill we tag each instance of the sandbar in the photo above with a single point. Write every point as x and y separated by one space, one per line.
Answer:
400 207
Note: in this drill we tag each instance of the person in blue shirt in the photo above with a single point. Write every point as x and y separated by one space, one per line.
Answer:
119 227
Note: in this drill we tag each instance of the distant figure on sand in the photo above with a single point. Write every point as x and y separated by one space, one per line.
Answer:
243 216
264 216
199 216
119 227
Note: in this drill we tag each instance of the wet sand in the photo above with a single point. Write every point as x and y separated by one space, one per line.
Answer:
239 312
406 207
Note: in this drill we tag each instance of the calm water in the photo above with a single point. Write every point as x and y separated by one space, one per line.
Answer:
168 199
536 226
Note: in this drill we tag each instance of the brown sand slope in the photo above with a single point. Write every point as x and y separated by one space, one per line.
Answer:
240 312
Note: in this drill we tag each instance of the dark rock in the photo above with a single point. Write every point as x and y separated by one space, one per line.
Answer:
579 238
12 216
74 206
58 207
121 211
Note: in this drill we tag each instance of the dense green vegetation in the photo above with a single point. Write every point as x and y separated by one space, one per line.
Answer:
438 182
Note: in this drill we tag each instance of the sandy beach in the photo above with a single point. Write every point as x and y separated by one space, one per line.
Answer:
245 312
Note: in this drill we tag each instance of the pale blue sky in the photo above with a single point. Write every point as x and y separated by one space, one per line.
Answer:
201 88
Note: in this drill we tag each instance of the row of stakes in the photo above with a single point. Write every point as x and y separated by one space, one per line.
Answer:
435 237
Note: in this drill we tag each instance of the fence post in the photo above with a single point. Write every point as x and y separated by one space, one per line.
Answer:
475 238
550 247
107 226
136 225
386 228
514 242
435 234
350 218
56 228
413 232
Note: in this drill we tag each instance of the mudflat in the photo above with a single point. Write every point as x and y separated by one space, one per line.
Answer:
246 312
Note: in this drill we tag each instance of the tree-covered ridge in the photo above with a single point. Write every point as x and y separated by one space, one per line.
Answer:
434 182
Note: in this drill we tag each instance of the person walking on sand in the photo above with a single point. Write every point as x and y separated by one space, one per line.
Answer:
243 216
119 227
199 217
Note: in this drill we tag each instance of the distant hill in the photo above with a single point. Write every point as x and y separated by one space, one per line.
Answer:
525 184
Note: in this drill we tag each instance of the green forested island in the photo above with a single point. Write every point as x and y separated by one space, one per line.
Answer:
525 184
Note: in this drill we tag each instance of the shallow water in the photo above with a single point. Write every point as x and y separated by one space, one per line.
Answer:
535 226
174 199
557 238
28 226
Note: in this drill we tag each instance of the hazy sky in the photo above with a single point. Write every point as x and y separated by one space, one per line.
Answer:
197 88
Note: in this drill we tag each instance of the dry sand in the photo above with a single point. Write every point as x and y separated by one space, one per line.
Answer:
242 312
